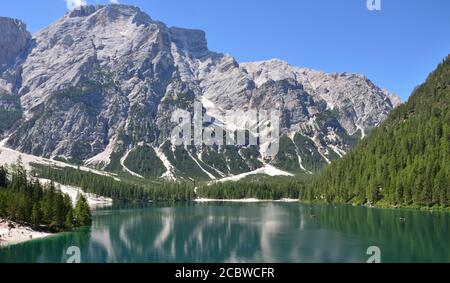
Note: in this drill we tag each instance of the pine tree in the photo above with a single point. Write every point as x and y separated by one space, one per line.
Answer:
82 211
69 219
3 177
36 215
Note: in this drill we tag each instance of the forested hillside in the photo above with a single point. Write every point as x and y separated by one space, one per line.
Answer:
123 190
405 161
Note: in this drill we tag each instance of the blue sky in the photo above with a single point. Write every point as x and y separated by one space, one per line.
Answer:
396 47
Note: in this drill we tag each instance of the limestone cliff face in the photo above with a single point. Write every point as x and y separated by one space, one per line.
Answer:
15 39
103 81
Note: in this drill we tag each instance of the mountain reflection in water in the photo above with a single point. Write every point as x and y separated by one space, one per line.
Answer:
243 232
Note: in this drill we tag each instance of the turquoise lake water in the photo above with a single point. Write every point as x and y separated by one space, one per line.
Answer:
246 232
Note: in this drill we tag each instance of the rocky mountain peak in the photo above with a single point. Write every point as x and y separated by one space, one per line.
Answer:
191 40
113 13
112 10
84 11
100 85
14 39
395 100
274 69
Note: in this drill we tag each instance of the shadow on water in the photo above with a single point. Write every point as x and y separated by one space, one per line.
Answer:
238 232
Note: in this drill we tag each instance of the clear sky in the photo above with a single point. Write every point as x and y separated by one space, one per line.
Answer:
396 47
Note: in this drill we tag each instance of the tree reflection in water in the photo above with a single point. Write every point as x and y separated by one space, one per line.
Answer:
238 232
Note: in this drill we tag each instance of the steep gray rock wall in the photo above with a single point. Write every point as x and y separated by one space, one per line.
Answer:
104 79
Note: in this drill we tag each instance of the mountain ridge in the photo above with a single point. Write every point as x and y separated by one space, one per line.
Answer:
103 80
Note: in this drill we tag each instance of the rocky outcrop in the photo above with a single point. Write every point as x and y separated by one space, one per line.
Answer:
14 41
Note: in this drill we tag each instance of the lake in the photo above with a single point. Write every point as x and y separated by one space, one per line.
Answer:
246 232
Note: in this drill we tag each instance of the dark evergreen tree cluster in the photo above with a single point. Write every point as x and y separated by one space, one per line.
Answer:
42 207
405 161
124 190
144 161
264 190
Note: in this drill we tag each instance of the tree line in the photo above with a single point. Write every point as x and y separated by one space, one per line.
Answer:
263 190
123 190
127 190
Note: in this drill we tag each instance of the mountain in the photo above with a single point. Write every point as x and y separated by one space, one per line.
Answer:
98 87
15 40
405 161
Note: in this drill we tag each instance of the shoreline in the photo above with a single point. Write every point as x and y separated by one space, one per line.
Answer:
12 233
382 206
94 201
245 200
288 200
